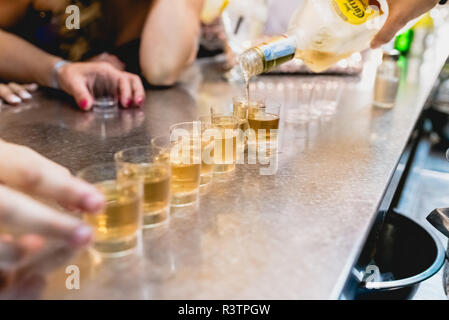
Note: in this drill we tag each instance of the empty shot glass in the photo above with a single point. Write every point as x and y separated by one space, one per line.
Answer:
326 97
117 227
300 105
138 161
105 95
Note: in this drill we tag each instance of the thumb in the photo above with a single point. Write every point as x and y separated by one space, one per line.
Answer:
388 31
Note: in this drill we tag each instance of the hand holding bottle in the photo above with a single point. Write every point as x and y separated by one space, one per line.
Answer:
401 12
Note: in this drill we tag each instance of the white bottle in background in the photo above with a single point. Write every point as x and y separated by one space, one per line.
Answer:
387 80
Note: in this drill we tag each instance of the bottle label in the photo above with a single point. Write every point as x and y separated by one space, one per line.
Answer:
357 11
224 6
278 48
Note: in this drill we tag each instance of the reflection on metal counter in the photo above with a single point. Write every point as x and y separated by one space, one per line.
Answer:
252 236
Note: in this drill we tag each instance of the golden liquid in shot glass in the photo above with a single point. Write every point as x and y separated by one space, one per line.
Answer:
261 120
227 143
156 192
266 121
116 227
185 178
207 152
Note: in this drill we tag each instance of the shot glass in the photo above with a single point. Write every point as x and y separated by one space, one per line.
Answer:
227 141
117 227
105 96
138 161
195 130
241 107
326 97
185 163
264 121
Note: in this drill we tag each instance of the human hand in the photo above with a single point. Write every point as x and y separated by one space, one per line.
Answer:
400 13
13 93
24 262
77 78
26 175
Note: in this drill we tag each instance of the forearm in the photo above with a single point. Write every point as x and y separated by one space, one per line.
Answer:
169 39
20 61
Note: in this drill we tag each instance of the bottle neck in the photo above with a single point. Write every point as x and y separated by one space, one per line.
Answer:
278 52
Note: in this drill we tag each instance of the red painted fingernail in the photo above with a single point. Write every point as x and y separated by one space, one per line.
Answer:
83 104
139 101
128 102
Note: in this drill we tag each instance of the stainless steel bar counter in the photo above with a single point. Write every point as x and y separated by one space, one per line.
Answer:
291 235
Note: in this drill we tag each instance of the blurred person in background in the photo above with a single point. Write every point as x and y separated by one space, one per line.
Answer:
156 39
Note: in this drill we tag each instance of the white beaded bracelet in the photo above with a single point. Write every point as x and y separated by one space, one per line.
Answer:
54 75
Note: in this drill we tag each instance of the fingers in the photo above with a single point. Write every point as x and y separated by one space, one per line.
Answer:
125 91
71 193
19 211
46 179
14 93
73 80
131 90
383 36
79 90
395 21
20 91
31 87
31 243
138 90
8 95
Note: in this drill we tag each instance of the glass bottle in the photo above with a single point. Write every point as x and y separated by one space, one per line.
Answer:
387 80
321 33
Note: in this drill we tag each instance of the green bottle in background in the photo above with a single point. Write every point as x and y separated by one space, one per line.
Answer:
404 41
